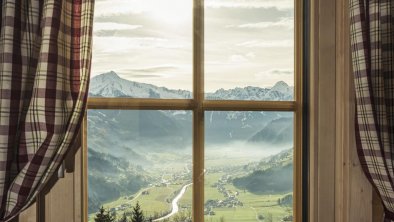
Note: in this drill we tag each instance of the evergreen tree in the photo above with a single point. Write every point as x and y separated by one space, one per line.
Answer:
103 216
124 218
138 215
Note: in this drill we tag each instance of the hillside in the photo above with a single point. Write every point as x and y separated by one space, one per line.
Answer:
220 126
111 177
273 175
278 131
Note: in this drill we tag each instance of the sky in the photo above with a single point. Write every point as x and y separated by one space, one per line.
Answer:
247 42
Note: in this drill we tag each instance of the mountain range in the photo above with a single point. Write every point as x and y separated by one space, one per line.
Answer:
111 85
120 141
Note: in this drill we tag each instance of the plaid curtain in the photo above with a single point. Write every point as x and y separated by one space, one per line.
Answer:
45 53
372 39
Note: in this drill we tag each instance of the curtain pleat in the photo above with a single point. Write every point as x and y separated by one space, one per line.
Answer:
372 39
45 59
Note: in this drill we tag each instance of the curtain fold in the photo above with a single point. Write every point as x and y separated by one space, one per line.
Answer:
45 54
372 40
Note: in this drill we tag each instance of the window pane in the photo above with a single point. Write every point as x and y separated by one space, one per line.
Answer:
249 166
249 49
147 42
140 156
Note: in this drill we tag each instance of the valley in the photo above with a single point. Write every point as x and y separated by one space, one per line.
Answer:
145 157
224 201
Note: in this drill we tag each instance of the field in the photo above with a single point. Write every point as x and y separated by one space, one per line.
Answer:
154 200
224 202
158 200
253 205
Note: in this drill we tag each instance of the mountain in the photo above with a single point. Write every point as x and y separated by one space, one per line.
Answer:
131 130
146 140
282 87
111 177
280 92
273 175
278 131
220 126
111 85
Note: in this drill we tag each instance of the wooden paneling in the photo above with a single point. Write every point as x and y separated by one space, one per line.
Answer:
339 190
344 112
29 215
353 191
60 201
313 114
377 207
326 112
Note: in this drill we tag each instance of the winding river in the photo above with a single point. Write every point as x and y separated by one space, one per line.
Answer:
174 203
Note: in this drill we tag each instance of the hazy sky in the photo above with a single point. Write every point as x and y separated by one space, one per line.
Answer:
247 42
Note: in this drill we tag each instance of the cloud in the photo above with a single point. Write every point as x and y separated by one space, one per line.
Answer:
121 7
287 23
116 7
275 72
156 69
278 4
267 44
115 44
158 7
241 58
149 72
112 26
238 59
144 76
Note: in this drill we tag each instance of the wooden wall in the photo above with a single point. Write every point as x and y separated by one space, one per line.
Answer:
61 200
338 189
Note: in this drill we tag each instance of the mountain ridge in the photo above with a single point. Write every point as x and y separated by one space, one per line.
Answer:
110 84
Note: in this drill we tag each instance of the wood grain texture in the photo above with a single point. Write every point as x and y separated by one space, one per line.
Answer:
198 114
313 110
377 207
29 215
344 113
326 112
339 190
298 114
249 105
353 191
136 103
78 186
61 199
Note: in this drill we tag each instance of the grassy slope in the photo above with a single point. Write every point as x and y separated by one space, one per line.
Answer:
253 204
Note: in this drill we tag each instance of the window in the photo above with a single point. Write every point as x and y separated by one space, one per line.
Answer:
194 110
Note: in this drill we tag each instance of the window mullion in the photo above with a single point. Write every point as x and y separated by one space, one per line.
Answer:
198 115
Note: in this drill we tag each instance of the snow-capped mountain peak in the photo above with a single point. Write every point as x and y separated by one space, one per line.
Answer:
111 85
282 87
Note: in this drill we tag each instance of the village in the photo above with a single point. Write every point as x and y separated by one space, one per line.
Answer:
161 181
230 198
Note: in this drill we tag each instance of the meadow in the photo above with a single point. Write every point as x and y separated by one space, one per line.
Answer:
255 207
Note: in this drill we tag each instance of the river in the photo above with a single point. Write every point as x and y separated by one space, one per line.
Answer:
174 203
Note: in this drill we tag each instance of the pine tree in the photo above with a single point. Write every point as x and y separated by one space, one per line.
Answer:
103 216
138 215
124 218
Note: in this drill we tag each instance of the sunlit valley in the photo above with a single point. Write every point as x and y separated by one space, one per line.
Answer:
145 156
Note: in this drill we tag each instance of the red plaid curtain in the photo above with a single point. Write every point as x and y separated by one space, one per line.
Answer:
45 53
372 39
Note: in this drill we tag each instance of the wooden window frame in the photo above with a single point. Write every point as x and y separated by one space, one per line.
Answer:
199 105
